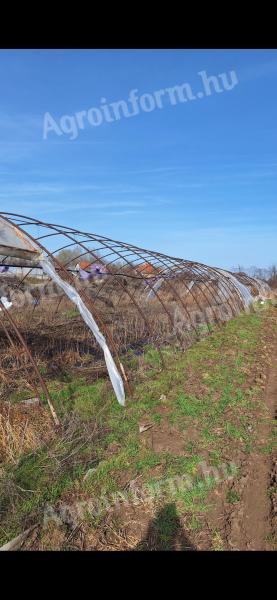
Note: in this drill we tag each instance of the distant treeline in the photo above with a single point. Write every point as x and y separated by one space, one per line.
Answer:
267 274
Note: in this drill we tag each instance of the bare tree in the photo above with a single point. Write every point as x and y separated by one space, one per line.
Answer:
272 280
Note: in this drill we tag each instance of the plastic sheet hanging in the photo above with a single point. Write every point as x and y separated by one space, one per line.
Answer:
73 295
242 290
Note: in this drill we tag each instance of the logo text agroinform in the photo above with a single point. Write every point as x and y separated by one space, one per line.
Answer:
135 104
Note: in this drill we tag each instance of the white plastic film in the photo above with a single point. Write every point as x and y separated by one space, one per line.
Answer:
190 286
158 284
243 291
151 294
73 295
6 302
265 291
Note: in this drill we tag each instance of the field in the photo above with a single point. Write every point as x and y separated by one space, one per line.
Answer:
187 464
138 334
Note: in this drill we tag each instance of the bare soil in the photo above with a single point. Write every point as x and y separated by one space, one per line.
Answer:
250 523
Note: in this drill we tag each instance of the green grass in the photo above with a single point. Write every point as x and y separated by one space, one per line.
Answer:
189 406
163 530
232 496
202 394
71 313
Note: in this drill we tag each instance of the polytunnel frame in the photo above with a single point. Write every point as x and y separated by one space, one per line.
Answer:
172 268
81 293
31 358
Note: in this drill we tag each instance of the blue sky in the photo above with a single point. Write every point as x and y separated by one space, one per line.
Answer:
195 180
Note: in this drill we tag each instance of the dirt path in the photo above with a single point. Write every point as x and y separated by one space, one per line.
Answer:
251 525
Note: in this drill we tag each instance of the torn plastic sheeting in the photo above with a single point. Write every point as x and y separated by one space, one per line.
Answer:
190 286
14 242
156 286
73 295
243 291
265 291
6 303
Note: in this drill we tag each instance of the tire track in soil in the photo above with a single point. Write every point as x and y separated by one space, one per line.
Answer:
253 520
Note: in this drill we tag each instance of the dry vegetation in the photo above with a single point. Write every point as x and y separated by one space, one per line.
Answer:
23 428
206 404
61 343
